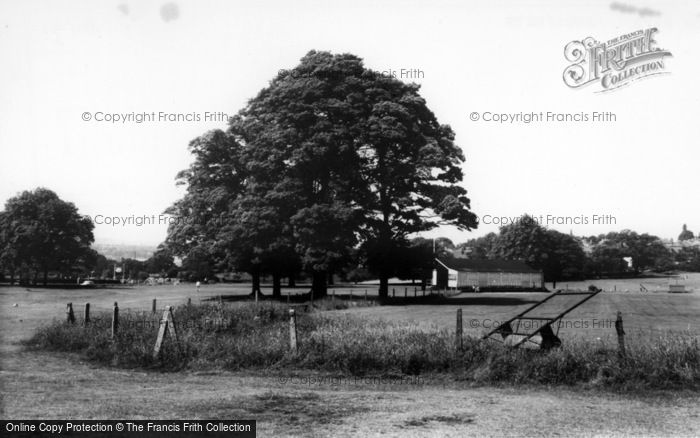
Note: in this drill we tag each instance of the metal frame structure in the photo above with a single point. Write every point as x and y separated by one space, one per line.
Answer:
550 339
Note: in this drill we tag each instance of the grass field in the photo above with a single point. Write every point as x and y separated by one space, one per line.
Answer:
644 313
44 385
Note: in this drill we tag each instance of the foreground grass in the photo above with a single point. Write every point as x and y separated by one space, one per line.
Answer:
256 337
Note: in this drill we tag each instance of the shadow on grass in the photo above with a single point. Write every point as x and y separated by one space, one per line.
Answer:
397 301
460 301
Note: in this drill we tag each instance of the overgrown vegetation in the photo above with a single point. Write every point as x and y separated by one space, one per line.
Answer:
256 336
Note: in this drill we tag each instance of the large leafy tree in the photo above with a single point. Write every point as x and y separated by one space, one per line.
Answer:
9 257
524 240
688 259
558 255
161 262
298 136
257 239
567 260
41 233
363 158
647 251
607 259
228 219
416 260
480 247
332 155
199 231
411 168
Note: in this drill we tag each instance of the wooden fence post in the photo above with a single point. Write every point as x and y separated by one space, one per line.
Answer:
620 336
333 297
167 325
153 306
288 295
70 316
393 292
458 331
292 331
189 301
115 320
415 292
86 314
365 295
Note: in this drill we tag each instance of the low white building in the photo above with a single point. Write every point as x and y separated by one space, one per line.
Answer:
495 274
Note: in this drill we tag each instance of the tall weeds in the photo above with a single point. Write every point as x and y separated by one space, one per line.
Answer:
256 336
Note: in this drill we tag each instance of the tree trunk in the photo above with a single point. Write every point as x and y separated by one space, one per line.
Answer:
24 276
331 282
318 285
292 281
46 276
383 286
255 273
277 286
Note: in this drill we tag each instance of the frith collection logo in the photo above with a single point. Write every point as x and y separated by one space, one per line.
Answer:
614 63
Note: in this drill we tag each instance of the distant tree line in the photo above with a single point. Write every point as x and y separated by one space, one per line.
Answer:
562 256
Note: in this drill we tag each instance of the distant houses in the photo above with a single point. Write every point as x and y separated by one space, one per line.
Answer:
686 239
677 245
470 274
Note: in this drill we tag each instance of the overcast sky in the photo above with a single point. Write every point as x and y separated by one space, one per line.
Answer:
63 59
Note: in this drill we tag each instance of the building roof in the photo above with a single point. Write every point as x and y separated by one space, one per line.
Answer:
485 265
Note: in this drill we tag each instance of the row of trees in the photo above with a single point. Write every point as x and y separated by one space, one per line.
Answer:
558 255
161 264
325 167
41 234
562 256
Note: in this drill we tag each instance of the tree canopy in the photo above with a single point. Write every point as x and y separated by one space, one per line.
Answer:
40 233
326 159
558 255
645 250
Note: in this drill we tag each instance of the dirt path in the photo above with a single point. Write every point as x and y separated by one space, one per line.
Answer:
40 385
